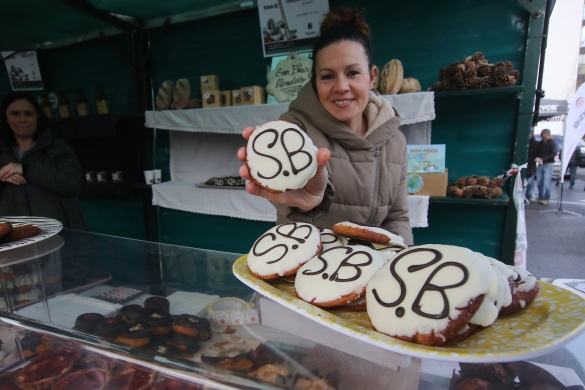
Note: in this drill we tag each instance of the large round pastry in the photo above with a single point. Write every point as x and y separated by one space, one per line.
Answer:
337 276
283 249
370 233
428 294
280 156
525 290
330 239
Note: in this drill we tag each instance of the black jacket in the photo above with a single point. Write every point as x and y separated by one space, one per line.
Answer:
532 149
547 150
575 157
54 180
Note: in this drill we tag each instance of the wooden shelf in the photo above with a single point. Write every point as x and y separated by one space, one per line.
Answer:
103 126
501 201
482 91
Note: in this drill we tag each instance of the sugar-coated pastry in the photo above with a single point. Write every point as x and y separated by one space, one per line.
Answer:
280 156
361 231
428 294
330 239
338 275
525 290
283 249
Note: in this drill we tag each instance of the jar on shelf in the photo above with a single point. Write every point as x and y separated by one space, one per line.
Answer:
64 108
82 107
46 107
101 101
102 176
117 176
90 176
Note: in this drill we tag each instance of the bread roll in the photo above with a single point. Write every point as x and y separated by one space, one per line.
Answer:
181 94
165 95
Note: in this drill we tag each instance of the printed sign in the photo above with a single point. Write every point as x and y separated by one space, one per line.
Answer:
303 18
574 127
426 158
285 82
23 70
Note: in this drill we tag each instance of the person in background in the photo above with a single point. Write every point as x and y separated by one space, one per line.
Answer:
531 168
39 175
573 165
545 157
361 173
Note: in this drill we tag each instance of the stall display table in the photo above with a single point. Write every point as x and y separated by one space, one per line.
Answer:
201 282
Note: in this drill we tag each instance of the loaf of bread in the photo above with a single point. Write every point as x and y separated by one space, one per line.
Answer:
181 95
20 233
165 95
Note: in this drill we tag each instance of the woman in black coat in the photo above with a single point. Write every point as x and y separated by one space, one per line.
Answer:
39 175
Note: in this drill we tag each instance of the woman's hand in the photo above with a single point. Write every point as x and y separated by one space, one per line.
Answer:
15 178
10 169
306 198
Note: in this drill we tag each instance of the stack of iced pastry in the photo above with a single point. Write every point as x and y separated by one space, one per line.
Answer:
427 294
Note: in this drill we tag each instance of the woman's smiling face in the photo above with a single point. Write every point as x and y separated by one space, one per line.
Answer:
343 81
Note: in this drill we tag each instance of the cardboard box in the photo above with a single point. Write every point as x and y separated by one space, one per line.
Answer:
432 184
226 98
211 99
237 98
209 83
253 95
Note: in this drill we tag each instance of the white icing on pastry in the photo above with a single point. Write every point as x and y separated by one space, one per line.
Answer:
330 239
389 252
490 307
284 248
395 239
281 156
522 303
506 273
421 290
337 272
523 280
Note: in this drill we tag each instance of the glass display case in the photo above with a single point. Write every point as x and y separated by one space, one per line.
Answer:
76 296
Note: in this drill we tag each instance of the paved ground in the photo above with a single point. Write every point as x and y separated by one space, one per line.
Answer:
556 241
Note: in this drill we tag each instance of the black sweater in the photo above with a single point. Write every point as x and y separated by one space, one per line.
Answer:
547 150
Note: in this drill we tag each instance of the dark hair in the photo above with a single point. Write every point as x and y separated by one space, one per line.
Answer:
343 24
5 131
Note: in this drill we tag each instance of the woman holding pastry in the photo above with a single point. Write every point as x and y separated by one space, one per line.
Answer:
39 175
361 160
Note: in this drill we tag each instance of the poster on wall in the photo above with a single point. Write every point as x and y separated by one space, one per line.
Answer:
303 18
23 70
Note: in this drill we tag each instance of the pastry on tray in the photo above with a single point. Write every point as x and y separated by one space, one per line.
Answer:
20 233
87 322
43 373
88 379
137 335
109 328
157 303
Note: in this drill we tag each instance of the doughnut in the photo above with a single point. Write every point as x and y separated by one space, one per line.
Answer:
157 303
283 249
337 276
280 156
428 294
87 322
375 234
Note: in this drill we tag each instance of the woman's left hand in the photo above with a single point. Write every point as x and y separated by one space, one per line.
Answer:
10 169
16 179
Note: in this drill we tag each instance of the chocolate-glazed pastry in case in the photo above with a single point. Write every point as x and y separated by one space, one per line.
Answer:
132 314
157 303
88 379
86 322
136 335
109 328
184 344
191 326
159 321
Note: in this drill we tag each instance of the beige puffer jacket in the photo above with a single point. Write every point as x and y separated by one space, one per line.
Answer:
367 175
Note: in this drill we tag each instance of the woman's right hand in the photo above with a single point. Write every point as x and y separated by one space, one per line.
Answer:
15 178
306 198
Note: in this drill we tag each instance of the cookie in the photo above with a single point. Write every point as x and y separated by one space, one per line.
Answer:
525 291
280 156
330 239
375 234
282 250
337 276
428 294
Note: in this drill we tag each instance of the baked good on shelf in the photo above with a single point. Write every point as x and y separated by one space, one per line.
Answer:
192 326
184 344
33 344
26 282
164 98
136 335
159 321
181 94
361 231
88 379
131 377
132 314
282 250
330 239
280 156
86 322
20 233
42 374
109 328
428 294
525 291
157 303
337 276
